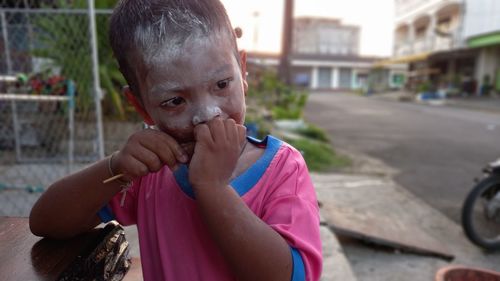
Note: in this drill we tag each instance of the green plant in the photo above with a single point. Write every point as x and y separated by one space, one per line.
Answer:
284 102
360 91
314 133
290 105
263 125
424 87
319 156
61 39
65 39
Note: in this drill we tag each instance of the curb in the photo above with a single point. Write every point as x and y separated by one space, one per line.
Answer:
336 267
464 104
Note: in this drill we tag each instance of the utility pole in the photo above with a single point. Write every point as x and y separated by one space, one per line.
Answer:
286 43
256 30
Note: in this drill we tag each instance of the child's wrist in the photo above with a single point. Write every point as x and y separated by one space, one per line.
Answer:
114 171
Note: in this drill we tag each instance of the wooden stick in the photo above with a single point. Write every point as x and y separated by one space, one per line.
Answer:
112 178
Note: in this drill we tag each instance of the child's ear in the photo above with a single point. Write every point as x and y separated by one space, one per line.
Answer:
132 99
243 63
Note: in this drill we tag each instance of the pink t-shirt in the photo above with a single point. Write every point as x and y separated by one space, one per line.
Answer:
174 243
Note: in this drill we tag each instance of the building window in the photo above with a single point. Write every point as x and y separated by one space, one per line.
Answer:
302 79
444 25
398 80
325 77
345 78
420 32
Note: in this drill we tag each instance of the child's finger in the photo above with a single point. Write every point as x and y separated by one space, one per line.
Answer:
202 134
136 168
231 131
167 157
161 150
242 134
217 130
166 147
149 158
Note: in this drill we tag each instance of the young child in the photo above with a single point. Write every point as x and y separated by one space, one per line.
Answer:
209 203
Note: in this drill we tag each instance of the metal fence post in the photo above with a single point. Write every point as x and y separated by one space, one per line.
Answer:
71 124
6 42
95 73
17 129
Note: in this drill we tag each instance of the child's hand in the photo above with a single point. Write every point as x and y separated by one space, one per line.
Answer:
148 151
218 147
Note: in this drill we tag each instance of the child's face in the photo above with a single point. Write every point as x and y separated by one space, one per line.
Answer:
186 87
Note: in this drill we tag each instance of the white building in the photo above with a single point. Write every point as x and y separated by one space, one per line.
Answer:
482 32
325 55
425 26
325 36
429 38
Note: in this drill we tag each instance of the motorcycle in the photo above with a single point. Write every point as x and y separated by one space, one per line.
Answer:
481 209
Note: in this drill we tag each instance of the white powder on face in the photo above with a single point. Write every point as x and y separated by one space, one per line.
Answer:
205 114
183 122
152 39
168 50
194 117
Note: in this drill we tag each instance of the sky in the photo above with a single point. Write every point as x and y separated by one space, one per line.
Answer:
261 21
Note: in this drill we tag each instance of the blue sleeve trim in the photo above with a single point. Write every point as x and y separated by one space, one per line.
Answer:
105 214
182 178
299 271
252 175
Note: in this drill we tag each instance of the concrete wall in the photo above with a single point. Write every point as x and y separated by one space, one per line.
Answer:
482 17
487 63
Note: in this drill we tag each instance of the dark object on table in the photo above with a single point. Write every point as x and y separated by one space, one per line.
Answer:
24 256
107 260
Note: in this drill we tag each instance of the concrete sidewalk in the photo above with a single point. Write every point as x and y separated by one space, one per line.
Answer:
379 197
485 104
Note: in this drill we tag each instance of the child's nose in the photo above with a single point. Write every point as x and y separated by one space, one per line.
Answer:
206 114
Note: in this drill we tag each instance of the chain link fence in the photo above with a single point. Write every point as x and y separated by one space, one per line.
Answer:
50 123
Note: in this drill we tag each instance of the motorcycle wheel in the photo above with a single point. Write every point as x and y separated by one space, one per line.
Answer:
480 219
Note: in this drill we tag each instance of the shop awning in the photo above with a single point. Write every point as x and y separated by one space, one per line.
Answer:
404 59
484 40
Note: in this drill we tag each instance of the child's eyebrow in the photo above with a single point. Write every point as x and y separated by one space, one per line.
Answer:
165 87
169 86
222 69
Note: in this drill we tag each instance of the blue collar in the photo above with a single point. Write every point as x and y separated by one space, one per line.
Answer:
244 182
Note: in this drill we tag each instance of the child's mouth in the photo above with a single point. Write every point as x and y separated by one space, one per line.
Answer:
188 148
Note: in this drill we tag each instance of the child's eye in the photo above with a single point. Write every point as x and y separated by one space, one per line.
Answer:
173 102
222 84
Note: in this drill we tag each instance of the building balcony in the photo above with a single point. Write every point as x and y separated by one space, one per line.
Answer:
443 44
403 49
422 45
429 44
433 29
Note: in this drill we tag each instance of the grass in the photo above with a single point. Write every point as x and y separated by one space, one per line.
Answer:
319 156
314 133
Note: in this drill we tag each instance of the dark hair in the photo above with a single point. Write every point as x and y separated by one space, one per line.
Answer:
138 27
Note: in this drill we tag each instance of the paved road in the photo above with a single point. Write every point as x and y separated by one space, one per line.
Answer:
437 150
